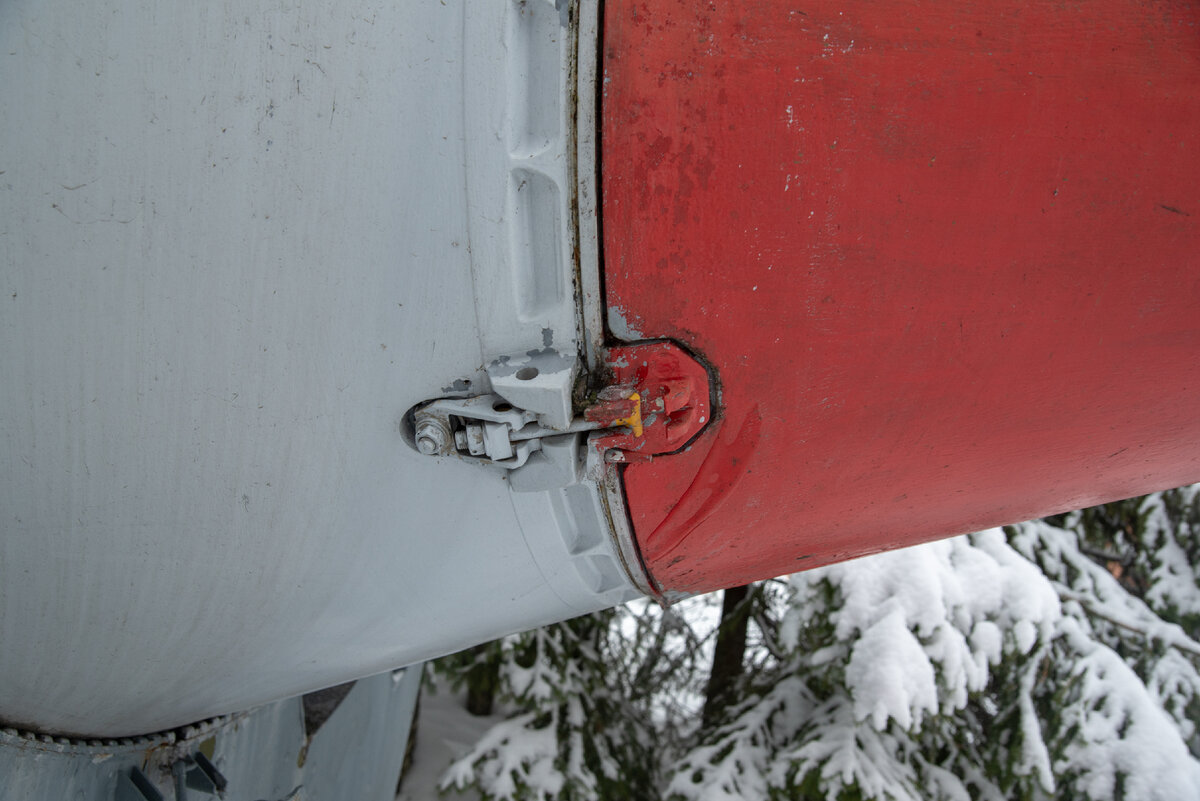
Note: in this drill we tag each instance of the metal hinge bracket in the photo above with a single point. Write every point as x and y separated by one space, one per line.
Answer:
656 400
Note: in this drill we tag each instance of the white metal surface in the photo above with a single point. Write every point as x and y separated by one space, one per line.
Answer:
265 753
237 243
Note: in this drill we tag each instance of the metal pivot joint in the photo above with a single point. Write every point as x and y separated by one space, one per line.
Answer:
655 399
486 427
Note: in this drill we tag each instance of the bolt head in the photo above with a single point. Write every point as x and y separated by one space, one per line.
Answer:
432 437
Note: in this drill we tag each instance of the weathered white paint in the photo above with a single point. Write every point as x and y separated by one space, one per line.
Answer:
237 242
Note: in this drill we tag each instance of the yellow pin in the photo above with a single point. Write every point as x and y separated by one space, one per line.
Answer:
634 420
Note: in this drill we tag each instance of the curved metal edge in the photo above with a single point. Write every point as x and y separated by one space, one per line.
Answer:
260 753
96 768
612 500
605 478
91 746
586 175
57 744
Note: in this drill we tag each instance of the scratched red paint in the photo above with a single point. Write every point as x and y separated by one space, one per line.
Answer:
944 259
673 393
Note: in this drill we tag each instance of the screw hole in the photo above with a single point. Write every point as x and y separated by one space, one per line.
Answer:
501 406
527 373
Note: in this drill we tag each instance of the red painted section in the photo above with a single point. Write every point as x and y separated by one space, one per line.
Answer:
944 259
660 392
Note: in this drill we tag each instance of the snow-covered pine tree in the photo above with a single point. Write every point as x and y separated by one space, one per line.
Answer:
576 733
1056 659
477 670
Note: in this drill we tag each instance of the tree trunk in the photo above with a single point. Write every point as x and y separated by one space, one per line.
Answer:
728 654
482 679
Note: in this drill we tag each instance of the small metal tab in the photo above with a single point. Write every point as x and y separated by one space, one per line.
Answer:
540 382
134 786
203 776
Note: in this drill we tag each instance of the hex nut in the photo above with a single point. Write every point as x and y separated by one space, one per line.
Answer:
432 437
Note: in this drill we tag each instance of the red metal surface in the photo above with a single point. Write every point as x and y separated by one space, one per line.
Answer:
944 259
659 392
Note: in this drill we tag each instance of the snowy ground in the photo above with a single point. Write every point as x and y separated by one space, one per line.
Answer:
445 731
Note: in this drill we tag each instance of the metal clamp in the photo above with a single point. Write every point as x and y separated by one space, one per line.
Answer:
486 427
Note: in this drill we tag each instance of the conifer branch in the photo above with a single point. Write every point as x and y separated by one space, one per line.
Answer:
1182 643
